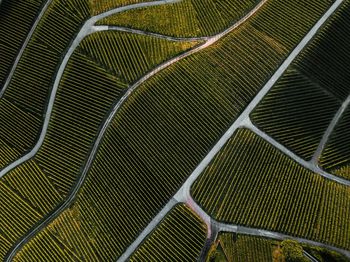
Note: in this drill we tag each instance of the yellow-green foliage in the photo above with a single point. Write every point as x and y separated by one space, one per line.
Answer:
179 237
16 19
186 18
100 6
241 248
252 183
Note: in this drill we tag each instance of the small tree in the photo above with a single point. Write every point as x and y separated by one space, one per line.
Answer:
293 251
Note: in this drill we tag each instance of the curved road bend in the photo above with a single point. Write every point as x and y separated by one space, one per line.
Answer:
88 28
329 131
19 55
183 195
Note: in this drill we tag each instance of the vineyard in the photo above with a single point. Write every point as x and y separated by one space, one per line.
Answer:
299 108
85 95
241 248
24 100
277 193
336 155
160 133
19 17
138 146
179 237
187 18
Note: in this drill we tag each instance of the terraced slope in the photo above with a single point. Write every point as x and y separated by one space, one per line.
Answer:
336 155
161 133
24 101
16 19
187 18
241 248
301 105
251 183
85 95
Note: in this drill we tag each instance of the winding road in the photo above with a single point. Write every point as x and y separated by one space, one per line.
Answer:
183 195
29 36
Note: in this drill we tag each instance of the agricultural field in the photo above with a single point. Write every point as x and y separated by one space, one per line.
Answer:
87 92
336 155
253 184
19 17
303 102
134 130
188 18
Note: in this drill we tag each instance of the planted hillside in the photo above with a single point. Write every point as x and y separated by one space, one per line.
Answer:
336 155
16 19
179 237
100 6
241 248
25 99
301 105
186 18
277 193
86 94
160 133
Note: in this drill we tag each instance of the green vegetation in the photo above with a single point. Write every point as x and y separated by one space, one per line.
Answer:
241 248
293 251
85 95
179 237
187 18
325 255
100 6
16 19
299 108
252 183
336 155
24 101
161 133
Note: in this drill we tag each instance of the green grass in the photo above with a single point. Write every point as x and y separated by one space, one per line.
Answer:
336 155
301 105
179 237
252 183
235 248
16 19
85 96
161 133
187 18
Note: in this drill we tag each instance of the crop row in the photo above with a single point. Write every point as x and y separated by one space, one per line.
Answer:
299 108
16 20
161 133
130 56
296 112
25 99
187 18
336 155
86 94
252 183
179 237
236 248
100 6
